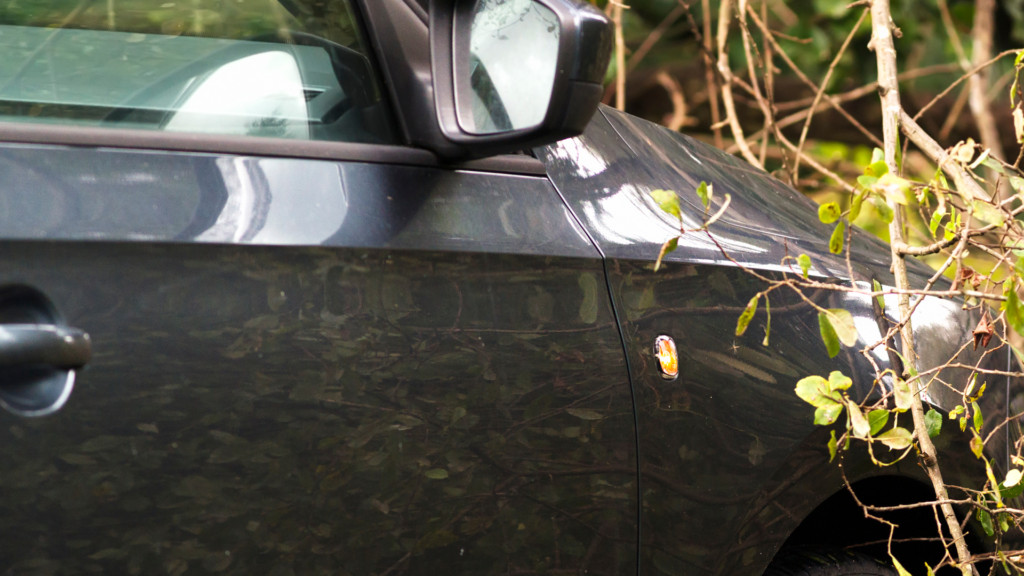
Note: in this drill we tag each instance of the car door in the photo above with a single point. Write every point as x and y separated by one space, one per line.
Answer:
306 357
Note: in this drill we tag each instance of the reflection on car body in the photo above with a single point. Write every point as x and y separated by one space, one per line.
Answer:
337 326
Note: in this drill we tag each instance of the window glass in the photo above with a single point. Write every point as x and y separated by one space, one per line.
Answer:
278 68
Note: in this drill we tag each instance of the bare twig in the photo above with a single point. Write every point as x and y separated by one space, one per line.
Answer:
981 35
724 21
620 56
821 89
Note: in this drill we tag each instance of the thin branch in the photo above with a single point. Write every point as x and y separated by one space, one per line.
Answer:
965 183
962 79
724 20
709 72
803 77
821 89
620 57
641 52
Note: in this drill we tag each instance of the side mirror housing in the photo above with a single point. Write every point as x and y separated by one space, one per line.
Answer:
510 74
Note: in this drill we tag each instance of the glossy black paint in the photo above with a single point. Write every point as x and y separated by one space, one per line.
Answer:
74 194
309 367
730 461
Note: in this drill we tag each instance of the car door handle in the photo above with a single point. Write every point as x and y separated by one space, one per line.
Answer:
44 344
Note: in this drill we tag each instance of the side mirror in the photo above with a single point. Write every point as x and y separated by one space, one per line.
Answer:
509 74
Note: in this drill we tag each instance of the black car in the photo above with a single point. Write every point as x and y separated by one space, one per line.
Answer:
333 320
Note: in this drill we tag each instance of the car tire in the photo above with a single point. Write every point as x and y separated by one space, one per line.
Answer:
827 563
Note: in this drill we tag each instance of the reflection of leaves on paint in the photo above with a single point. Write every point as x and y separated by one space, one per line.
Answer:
364 420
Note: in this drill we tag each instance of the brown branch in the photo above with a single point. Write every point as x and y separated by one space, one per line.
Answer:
962 79
882 30
965 183
821 90
954 36
709 73
954 114
981 34
803 77
724 20
640 53
620 57
679 118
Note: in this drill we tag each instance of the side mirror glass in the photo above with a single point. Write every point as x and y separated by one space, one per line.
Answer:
507 80
509 74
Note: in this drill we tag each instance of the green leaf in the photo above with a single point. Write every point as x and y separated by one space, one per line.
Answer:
987 213
436 473
1017 60
876 286
810 388
805 264
747 315
903 396
985 519
899 567
933 224
1017 183
951 227
829 212
878 419
933 422
858 423
835 243
956 412
1018 264
977 446
897 438
705 191
768 320
894 189
668 202
839 381
816 391
856 204
1014 491
877 169
1014 310
878 155
828 335
666 248
844 325
828 414
885 211
832 446
866 182
979 420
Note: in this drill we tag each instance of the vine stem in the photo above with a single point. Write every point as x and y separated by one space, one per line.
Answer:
882 30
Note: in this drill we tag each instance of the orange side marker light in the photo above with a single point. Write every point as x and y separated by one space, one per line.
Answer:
668 357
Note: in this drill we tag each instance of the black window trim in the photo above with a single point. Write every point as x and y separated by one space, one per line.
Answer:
63 135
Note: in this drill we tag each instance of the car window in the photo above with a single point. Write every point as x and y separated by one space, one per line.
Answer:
278 68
